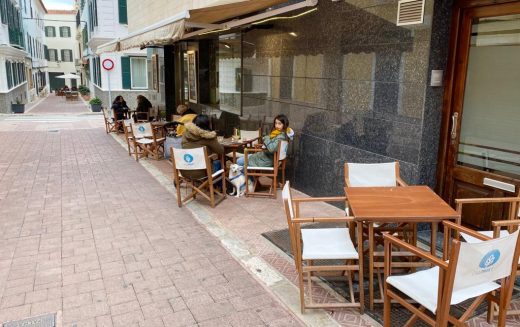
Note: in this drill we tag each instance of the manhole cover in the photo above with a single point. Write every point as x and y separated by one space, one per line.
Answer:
48 320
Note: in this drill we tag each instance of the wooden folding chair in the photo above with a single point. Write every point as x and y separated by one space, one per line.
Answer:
129 136
110 125
147 141
142 117
312 245
474 270
271 172
197 159
511 224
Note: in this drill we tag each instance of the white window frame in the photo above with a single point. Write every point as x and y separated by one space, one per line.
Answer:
132 74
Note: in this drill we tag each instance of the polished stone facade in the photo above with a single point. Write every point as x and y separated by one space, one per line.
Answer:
354 85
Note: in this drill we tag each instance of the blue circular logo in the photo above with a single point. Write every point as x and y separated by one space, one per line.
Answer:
489 259
141 129
188 158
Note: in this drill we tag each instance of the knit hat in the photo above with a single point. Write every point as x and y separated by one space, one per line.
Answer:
181 109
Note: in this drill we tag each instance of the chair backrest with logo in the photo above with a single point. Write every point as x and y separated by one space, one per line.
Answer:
484 262
371 175
190 159
142 130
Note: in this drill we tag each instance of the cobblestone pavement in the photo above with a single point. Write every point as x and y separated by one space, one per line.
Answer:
58 105
88 233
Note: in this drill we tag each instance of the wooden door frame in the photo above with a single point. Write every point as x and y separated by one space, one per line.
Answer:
453 69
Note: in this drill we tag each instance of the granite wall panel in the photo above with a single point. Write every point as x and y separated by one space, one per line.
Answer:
354 86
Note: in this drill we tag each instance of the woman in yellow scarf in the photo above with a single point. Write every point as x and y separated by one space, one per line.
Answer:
280 131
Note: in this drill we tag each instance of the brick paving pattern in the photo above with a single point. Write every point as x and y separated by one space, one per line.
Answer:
57 105
86 231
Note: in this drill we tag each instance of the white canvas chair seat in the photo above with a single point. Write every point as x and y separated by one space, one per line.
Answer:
144 141
327 244
260 168
423 285
237 155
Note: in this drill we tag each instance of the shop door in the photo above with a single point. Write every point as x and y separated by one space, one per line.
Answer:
483 119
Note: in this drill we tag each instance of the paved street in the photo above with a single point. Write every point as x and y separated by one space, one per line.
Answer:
88 233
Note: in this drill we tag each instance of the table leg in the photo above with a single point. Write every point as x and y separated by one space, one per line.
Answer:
371 265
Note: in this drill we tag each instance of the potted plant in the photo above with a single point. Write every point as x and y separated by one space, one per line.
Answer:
18 107
95 104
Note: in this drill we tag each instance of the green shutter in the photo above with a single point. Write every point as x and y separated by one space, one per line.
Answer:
123 15
125 70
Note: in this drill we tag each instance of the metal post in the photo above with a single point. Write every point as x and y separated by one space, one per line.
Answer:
109 93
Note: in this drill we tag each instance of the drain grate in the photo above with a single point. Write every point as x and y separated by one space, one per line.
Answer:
53 130
48 320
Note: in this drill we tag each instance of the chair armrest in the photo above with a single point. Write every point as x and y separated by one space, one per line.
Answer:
487 200
246 150
389 239
213 156
504 223
459 228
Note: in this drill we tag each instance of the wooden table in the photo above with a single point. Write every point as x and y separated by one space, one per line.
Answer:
234 146
405 204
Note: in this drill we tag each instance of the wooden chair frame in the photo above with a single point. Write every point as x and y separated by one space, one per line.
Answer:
155 148
510 223
130 139
139 116
310 269
446 281
257 173
199 185
110 125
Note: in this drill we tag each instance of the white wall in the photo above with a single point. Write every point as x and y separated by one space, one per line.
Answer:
116 82
59 43
108 21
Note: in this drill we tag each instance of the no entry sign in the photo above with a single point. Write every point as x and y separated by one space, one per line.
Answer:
107 64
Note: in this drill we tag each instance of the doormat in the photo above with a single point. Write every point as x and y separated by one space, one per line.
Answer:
281 239
48 320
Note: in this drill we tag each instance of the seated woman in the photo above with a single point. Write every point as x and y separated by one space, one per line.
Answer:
198 134
120 108
143 106
187 116
280 132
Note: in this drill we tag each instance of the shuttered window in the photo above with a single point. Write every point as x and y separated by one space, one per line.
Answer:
125 71
123 15
9 74
64 31
53 54
66 55
50 31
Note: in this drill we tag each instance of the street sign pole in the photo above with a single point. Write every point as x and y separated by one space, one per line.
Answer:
108 65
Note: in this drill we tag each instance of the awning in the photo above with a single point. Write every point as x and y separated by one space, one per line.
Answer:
196 21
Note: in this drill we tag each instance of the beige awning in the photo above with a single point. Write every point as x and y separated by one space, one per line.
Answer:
189 22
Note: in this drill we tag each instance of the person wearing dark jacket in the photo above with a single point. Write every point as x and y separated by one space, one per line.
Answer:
143 106
120 108
198 134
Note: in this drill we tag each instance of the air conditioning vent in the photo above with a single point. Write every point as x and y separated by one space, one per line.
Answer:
410 12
